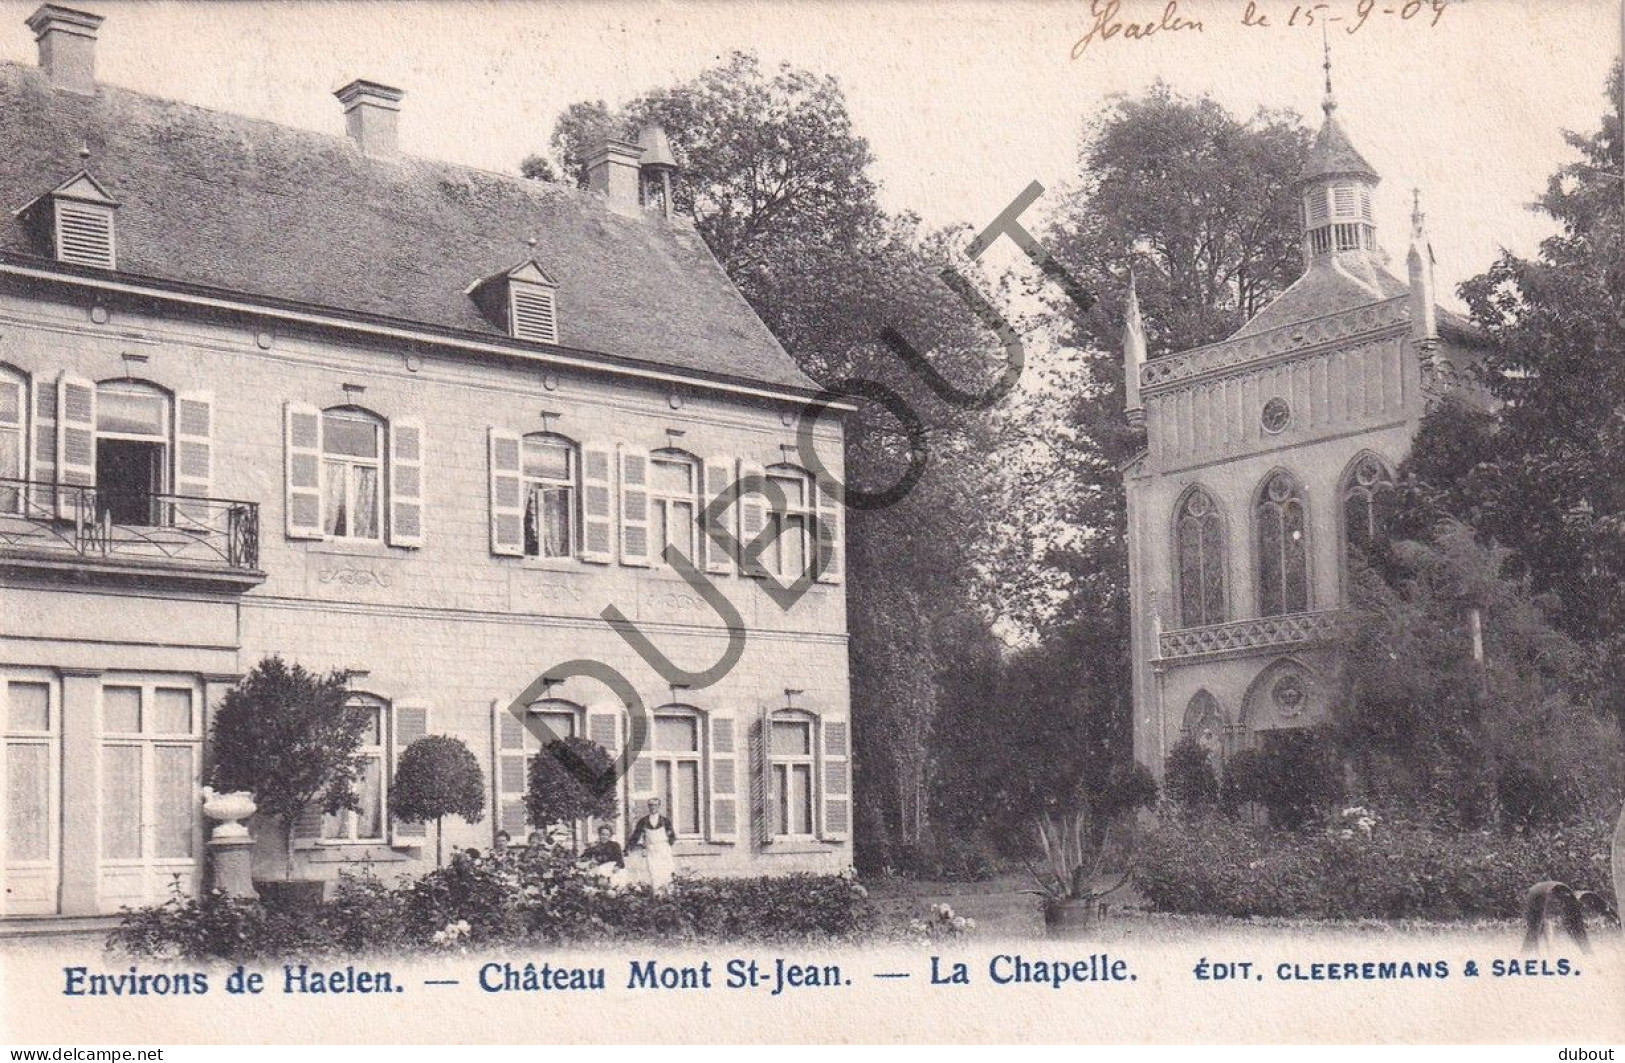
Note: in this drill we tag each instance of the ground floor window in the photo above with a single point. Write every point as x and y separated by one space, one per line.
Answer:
793 763
677 772
28 787
367 822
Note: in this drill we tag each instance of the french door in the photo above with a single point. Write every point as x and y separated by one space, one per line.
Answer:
30 785
151 747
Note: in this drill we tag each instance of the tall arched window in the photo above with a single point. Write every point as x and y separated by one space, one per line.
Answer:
13 409
1283 547
1367 498
132 450
1199 545
353 474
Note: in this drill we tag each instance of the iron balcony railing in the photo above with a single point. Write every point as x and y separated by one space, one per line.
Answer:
45 518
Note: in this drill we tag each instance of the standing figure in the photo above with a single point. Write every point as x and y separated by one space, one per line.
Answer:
652 838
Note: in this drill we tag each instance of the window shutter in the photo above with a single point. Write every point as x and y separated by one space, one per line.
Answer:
761 778
534 313
75 440
410 722
507 507
302 497
597 511
641 781
634 507
829 539
604 728
43 468
718 478
836 789
510 778
307 829
752 506
724 819
194 453
406 442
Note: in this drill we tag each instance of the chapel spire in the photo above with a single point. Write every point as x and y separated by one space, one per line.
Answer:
1133 355
1336 185
1419 263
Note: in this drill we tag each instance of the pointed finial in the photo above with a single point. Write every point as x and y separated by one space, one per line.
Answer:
1133 354
1329 104
84 149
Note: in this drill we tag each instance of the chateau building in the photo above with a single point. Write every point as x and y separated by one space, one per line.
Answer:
269 391
1263 474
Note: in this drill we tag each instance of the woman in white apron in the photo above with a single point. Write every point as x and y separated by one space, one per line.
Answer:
652 839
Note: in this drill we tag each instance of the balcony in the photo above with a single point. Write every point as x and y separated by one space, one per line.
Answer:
84 531
1238 638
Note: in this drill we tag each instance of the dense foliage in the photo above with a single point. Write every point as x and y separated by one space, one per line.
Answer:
540 895
572 779
1215 865
1188 777
437 776
290 737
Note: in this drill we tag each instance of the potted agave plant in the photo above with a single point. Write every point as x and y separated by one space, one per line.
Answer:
1072 867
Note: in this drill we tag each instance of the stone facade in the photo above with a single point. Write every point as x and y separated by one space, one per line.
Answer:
122 629
1266 454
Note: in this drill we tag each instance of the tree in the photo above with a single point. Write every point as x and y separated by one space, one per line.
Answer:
291 738
563 785
1544 476
1459 691
437 776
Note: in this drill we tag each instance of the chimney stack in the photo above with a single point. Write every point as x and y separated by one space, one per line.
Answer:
67 47
370 115
613 171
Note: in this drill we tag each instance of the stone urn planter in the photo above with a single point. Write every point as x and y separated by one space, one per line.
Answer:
1072 918
228 811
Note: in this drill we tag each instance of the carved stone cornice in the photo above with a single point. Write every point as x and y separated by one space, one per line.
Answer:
1162 374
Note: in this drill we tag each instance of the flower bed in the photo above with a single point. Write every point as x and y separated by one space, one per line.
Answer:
528 897
1360 867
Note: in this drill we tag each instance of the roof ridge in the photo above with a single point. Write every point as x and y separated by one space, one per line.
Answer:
519 181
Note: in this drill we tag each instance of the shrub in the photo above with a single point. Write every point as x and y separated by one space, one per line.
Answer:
437 776
289 737
1188 776
572 779
539 895
1211 865
1300 776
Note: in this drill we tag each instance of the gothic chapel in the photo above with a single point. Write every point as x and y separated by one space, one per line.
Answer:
1265 458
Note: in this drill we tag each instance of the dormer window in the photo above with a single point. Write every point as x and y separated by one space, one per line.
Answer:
522 301
76 221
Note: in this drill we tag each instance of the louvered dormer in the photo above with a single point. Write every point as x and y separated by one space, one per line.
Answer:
522 301
75 221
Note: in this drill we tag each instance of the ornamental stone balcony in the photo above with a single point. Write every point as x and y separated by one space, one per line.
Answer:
1237 638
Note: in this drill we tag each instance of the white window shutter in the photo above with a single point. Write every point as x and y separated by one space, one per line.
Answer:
597 506
409 721
635 544
302 495
406 501
718 478
829 539
604 728
753 507
507 489
835 789
723 822
75 441
42 469
641 781
194 456
510 775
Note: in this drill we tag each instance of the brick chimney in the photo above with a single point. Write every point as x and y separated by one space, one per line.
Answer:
370 114
67 46
613 172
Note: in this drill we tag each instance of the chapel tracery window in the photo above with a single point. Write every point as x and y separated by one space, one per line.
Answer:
1283 556
1200 549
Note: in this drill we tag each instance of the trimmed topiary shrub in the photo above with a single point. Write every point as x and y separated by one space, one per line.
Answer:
437 776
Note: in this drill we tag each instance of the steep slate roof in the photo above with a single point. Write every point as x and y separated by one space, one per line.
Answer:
1333 154
1324 289
266 211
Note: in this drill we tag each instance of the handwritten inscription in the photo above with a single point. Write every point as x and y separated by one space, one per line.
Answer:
1109 20
353 577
